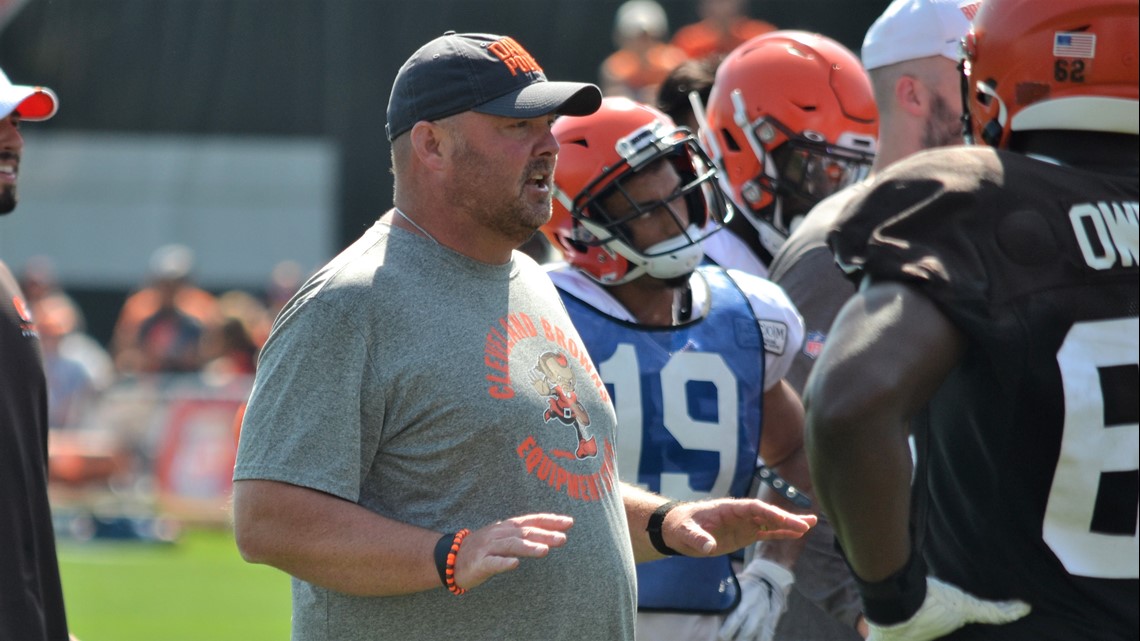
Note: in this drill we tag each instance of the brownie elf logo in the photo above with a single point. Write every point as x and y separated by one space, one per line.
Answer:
554 378
564 454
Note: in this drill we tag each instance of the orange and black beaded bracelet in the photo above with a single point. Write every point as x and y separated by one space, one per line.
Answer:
445 551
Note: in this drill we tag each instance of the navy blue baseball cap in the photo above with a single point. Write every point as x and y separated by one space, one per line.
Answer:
480 72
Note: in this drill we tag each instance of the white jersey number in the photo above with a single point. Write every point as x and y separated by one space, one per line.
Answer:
623 372
1090 448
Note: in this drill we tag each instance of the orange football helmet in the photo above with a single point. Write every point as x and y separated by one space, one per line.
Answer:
1064 64
790 120
598 154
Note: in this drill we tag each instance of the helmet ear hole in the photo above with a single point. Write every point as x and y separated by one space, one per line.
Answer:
991 133
985 98
568 242
729 141
577 245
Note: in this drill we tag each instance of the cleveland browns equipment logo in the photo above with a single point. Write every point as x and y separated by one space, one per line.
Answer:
553 377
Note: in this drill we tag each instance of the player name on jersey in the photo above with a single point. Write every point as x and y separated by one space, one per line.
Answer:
1107 233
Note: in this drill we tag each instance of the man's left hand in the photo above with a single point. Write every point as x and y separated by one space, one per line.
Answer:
720 526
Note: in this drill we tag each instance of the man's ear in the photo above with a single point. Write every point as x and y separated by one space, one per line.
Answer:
429 142
912 96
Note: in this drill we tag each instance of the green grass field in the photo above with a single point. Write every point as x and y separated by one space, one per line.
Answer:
197 589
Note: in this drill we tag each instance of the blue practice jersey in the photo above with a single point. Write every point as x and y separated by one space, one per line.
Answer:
689 404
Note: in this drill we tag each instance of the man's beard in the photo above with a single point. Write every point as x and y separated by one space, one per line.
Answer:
513 218
7 200
942 126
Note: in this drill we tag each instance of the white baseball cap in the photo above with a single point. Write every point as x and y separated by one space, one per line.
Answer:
911 29
32 103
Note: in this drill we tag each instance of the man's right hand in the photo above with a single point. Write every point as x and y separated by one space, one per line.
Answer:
498 547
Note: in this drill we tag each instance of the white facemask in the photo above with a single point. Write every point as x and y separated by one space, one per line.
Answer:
667 259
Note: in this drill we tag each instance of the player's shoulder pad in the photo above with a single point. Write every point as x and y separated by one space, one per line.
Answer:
929 190
780 322
758 288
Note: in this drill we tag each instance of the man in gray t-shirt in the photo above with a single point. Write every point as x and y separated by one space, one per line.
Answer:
428 449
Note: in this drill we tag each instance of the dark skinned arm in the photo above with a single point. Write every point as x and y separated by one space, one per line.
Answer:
888 351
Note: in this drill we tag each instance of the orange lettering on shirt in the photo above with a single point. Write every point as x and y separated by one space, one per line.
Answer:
582 487
501 392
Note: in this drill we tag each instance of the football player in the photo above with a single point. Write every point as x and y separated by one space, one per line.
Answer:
790 120
997 319
694 355
911 55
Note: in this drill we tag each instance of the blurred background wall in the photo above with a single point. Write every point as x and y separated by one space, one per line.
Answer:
252 130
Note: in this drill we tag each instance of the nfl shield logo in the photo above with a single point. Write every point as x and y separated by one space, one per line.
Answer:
813 344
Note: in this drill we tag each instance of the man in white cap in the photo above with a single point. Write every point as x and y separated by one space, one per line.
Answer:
31 598
426 425
911 55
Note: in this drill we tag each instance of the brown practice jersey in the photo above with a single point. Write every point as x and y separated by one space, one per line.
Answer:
1027 476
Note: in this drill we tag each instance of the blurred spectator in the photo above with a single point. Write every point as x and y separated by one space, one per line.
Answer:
168 340
238 351
160 326
71 387
643 57
231 347
81 347
39 282
39 279
284 281
723 26
697 75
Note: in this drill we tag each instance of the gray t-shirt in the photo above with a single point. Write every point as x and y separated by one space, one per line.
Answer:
446 393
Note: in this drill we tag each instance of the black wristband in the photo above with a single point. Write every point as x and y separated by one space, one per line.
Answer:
442 547
654 528
896 598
